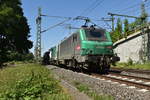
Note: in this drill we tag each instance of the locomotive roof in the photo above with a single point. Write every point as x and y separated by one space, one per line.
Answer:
84 28
91 28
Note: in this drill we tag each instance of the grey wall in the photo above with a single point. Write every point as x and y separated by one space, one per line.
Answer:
132 47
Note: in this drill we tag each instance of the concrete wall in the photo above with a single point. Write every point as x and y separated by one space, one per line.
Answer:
131 47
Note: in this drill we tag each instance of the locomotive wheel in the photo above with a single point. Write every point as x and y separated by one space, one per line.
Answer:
92 67
89 68
74 63
105 69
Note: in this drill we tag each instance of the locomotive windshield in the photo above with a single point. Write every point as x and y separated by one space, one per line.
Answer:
96 35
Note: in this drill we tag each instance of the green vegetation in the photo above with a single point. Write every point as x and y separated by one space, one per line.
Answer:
117 34
15 56
14 32
84 88
131 65
29 82
126 29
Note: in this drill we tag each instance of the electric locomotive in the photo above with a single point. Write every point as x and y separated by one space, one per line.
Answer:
88 47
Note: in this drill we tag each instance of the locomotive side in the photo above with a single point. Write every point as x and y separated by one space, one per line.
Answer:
90 48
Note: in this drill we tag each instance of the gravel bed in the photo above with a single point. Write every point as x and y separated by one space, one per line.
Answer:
136 74
101 86
74 93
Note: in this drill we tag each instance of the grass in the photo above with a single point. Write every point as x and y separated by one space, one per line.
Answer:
29 82
84 88
145 66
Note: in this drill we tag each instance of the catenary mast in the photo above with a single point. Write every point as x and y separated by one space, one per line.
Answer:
38 37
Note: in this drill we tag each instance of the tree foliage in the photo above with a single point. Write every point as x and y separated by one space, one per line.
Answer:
139 22
126 28
117 34
14 30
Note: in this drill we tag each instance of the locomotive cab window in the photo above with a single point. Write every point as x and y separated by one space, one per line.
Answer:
96 35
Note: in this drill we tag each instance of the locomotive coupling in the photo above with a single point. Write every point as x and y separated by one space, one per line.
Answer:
115 59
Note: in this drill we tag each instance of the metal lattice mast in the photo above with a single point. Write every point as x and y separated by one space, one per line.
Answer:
37 49
144 56
38 37
144 35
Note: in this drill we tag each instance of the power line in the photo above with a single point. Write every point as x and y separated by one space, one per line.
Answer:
133 6
86 10
95 6
56 25
60 17
133 10
119 3
91 7
138 11
125 10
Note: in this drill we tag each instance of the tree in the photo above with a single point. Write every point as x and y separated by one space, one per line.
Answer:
144 14
14 30
140 21
126 28
117 34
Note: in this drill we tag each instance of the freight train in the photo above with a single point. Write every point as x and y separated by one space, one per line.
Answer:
89 47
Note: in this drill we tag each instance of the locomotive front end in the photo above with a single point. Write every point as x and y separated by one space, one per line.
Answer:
97 48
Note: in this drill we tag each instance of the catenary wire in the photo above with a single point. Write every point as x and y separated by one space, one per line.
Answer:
94 7
86 10
130 7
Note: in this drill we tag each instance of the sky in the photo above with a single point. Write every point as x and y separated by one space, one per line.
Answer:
94 9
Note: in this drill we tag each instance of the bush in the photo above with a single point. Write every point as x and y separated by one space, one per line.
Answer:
130 62
30 82
32 87
29 57
15 56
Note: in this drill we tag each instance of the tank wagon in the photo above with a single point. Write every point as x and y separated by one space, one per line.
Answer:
88 47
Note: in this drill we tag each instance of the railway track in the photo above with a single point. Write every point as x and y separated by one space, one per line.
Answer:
125 80
143 84
131 76
103 84
119 70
